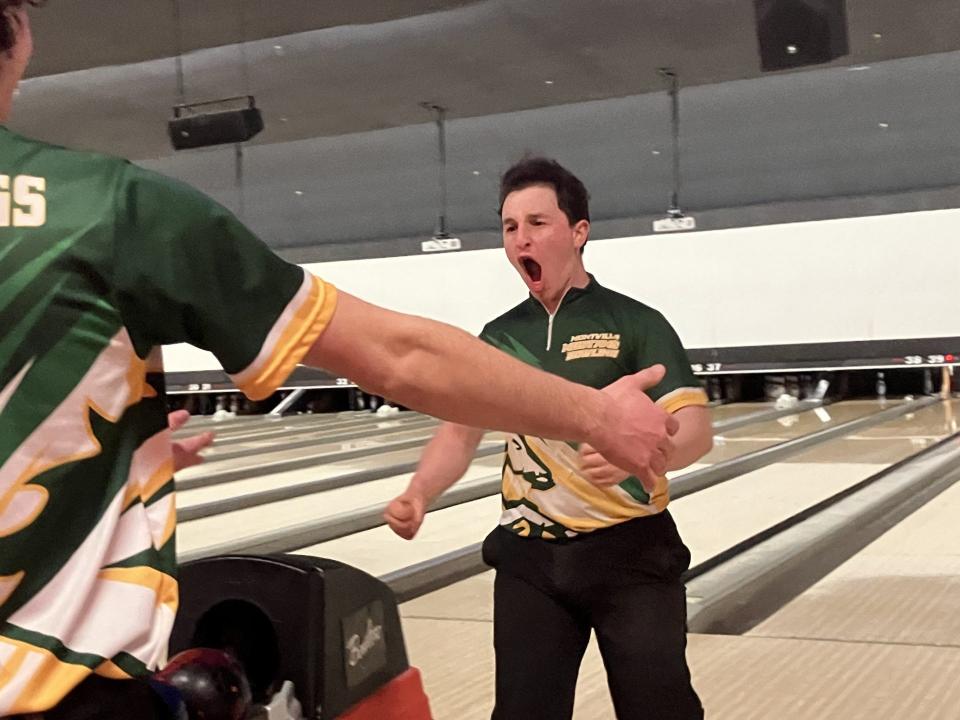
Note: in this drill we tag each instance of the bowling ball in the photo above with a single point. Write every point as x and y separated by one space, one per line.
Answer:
212 684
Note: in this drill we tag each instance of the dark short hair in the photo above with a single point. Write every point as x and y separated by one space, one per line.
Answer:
572 196
8 34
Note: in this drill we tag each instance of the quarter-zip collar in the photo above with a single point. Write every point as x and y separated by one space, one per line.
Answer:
569 294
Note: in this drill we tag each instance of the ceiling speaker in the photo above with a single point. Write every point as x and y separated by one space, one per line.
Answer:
795 33
214 123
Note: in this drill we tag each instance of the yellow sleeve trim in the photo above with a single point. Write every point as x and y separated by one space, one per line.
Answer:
302 330
681 398
164 587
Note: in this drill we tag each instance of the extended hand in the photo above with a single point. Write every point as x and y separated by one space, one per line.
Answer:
635 434
186 452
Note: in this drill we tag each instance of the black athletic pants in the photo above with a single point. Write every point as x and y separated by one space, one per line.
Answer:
624 583
98 698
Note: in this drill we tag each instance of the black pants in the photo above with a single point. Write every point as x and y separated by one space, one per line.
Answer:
622 582
98 698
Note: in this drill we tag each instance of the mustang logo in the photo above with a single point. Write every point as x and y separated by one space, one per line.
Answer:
523 461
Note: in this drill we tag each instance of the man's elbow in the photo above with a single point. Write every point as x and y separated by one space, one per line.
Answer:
400 378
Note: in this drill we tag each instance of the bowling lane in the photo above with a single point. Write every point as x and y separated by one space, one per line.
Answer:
752 502
734 411
456 622
278 428
757 436
278 442
265 432
379 551
749 504
208 531
901 588
718 517
375 550
380 456
244 423
394 434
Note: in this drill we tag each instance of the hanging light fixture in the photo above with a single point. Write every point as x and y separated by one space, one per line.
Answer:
675 219
442 241
214 122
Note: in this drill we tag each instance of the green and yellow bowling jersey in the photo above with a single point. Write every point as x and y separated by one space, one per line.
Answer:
102 262
595 337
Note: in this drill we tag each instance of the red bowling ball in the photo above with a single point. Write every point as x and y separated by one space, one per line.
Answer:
212 683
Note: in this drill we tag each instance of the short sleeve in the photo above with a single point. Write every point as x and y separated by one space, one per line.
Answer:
659 343
486 335
186 270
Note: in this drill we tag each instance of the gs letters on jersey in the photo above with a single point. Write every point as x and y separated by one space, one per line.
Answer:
22 201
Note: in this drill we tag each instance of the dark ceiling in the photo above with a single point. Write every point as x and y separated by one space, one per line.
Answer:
348 153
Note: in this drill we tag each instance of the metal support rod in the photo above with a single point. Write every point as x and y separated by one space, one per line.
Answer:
440 119
673 90
178 30
288 401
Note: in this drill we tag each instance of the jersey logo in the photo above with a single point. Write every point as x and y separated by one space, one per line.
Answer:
22 201
592 345
523 462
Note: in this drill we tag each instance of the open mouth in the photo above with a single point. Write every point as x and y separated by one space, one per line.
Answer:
532 268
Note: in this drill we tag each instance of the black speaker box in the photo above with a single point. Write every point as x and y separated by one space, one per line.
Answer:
796 33
214 128
333 630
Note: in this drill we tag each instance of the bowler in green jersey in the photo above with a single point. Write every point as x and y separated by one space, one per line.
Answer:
581 544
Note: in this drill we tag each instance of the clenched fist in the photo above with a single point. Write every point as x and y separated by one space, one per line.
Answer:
405 514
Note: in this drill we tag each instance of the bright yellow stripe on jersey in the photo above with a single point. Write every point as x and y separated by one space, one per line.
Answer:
10 668
681 398
171 524
51 680
111 670
303 324
158 480
137 380
164 586
155 483
32 500
661 494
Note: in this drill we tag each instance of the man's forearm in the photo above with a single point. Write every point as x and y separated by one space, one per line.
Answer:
443 371
445 459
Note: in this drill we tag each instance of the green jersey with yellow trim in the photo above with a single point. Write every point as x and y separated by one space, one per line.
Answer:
102 262
595 337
